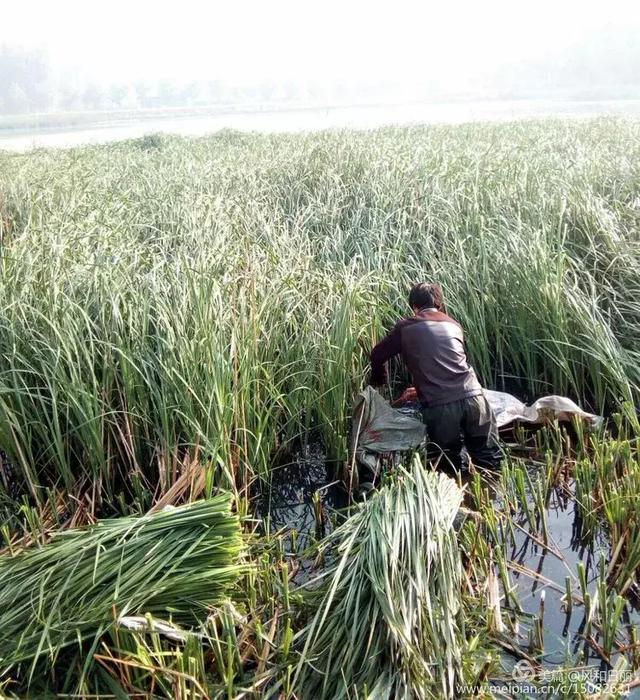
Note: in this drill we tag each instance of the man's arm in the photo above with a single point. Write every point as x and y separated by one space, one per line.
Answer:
387 348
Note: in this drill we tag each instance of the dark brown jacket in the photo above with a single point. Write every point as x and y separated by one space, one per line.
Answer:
432 347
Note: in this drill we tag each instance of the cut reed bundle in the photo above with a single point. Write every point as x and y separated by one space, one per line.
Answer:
390 619
175 564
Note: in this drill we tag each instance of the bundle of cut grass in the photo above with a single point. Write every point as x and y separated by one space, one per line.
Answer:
390 619
175 563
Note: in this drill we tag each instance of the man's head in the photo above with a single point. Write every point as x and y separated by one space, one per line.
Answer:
426 296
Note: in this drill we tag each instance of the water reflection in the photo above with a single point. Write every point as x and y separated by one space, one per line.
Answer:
313 119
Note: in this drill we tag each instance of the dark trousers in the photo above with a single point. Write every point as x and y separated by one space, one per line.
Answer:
470 423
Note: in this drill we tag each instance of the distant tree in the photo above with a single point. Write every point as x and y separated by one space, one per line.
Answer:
70 98
43 95
92 97
130 99
166 94
144 91
117 94
267 92
25 80
17 100
291 90
190 94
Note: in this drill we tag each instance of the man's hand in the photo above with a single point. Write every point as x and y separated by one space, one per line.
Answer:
409 395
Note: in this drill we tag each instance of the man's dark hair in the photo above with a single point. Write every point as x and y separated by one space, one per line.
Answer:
426 295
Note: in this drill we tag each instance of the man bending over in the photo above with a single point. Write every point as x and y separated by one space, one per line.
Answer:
454 408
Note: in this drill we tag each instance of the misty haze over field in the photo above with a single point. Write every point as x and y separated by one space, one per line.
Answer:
72 56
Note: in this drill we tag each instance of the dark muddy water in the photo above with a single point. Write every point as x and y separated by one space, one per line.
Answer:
303 502
545 571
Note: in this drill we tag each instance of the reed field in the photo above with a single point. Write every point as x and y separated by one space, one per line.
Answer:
178 316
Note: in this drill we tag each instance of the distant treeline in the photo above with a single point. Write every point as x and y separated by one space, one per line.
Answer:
607 65
28 85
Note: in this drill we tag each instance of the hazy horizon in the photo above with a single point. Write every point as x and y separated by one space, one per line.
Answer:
69 54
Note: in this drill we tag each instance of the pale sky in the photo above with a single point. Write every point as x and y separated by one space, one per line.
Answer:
246 40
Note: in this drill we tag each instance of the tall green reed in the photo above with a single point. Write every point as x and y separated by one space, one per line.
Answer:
220 295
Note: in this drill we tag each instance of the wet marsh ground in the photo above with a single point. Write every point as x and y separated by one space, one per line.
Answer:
542 554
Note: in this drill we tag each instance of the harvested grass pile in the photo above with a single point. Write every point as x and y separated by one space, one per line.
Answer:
174 563
390 621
